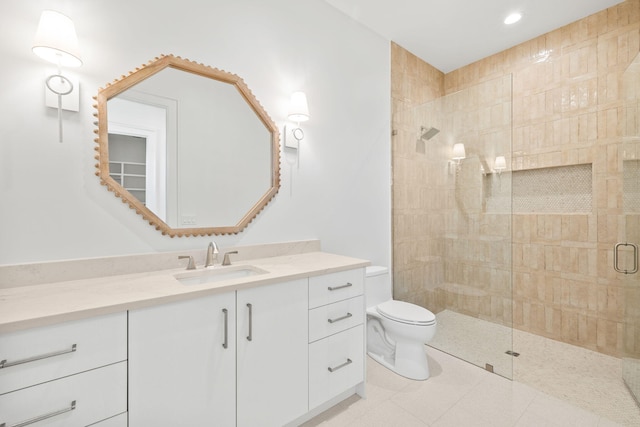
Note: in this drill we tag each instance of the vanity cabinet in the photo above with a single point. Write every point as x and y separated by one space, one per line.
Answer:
272 354
336 334
182 363
181 373
71 374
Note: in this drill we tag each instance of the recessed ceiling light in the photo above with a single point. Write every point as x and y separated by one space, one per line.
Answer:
513 18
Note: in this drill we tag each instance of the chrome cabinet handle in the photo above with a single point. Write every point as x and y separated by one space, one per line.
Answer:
225 344
346 316
250 336
348 362
42 417
5 364
335 288
616 267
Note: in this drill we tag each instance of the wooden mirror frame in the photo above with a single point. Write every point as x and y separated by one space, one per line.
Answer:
102 141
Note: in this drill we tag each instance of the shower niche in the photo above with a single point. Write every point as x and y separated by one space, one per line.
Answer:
560 189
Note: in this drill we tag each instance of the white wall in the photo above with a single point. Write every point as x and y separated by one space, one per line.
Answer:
51 204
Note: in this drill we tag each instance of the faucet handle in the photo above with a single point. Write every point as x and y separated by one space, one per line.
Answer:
226 260
192 263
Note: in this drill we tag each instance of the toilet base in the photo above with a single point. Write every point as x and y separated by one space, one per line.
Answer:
410 361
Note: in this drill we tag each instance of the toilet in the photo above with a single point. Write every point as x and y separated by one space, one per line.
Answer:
396 331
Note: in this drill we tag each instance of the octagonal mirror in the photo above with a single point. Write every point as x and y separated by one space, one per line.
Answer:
188 147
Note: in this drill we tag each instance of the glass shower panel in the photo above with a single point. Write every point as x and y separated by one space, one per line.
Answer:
626 251
457 260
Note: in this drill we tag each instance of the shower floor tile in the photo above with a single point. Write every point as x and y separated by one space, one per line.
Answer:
584 378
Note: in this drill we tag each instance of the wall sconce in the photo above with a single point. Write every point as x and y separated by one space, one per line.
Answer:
56 42
458 154
500 164
298 112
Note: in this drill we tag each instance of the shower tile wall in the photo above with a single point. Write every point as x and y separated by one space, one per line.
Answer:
568 109
417 263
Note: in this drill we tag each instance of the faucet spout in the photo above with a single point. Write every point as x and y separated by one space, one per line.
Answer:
212 254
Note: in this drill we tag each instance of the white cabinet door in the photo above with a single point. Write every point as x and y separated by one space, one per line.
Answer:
180 372
272 372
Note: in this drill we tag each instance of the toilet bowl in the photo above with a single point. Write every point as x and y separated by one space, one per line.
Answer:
396 330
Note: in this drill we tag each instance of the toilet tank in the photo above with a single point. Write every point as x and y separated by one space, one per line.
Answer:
377 285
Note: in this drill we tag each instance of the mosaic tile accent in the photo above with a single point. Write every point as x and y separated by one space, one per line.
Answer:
564 189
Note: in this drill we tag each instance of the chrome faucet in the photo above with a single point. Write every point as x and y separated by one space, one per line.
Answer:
212 254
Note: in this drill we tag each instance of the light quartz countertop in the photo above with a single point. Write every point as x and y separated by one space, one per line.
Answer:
32 306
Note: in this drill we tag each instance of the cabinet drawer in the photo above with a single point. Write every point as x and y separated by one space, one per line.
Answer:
344 354
335 287
333 318
65 348
98 394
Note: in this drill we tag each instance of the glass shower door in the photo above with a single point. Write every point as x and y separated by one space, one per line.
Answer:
452 208
625 259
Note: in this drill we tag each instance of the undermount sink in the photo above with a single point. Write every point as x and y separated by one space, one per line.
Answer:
219 274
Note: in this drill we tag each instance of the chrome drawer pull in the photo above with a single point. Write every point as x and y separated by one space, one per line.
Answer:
5 364
335 288
250 336
348 362
42 417
225 344
346 316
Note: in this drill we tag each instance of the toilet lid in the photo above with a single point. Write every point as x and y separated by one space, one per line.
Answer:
406 313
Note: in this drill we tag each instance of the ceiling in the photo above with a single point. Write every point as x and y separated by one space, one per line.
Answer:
449 34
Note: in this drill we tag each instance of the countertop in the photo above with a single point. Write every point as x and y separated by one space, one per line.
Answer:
39 305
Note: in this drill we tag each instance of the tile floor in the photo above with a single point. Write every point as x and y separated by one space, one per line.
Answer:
584 378
458 394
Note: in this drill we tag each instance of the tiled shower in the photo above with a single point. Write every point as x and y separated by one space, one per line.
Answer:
530 247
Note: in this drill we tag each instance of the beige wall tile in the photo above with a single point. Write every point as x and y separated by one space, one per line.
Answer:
565 108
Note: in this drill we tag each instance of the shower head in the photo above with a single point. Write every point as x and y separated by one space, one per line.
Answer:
428 133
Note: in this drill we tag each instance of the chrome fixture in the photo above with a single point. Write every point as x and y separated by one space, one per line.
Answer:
616 265
226 260
428 133
192 264
212 255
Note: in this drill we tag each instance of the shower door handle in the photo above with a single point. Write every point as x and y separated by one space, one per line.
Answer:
616 267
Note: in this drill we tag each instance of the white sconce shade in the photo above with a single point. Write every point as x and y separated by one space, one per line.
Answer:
56 40
458 152
298 108
500 164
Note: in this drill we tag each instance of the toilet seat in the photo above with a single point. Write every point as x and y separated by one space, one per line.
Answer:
407 313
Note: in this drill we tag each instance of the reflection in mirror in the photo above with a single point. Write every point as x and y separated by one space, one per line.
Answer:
188 147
